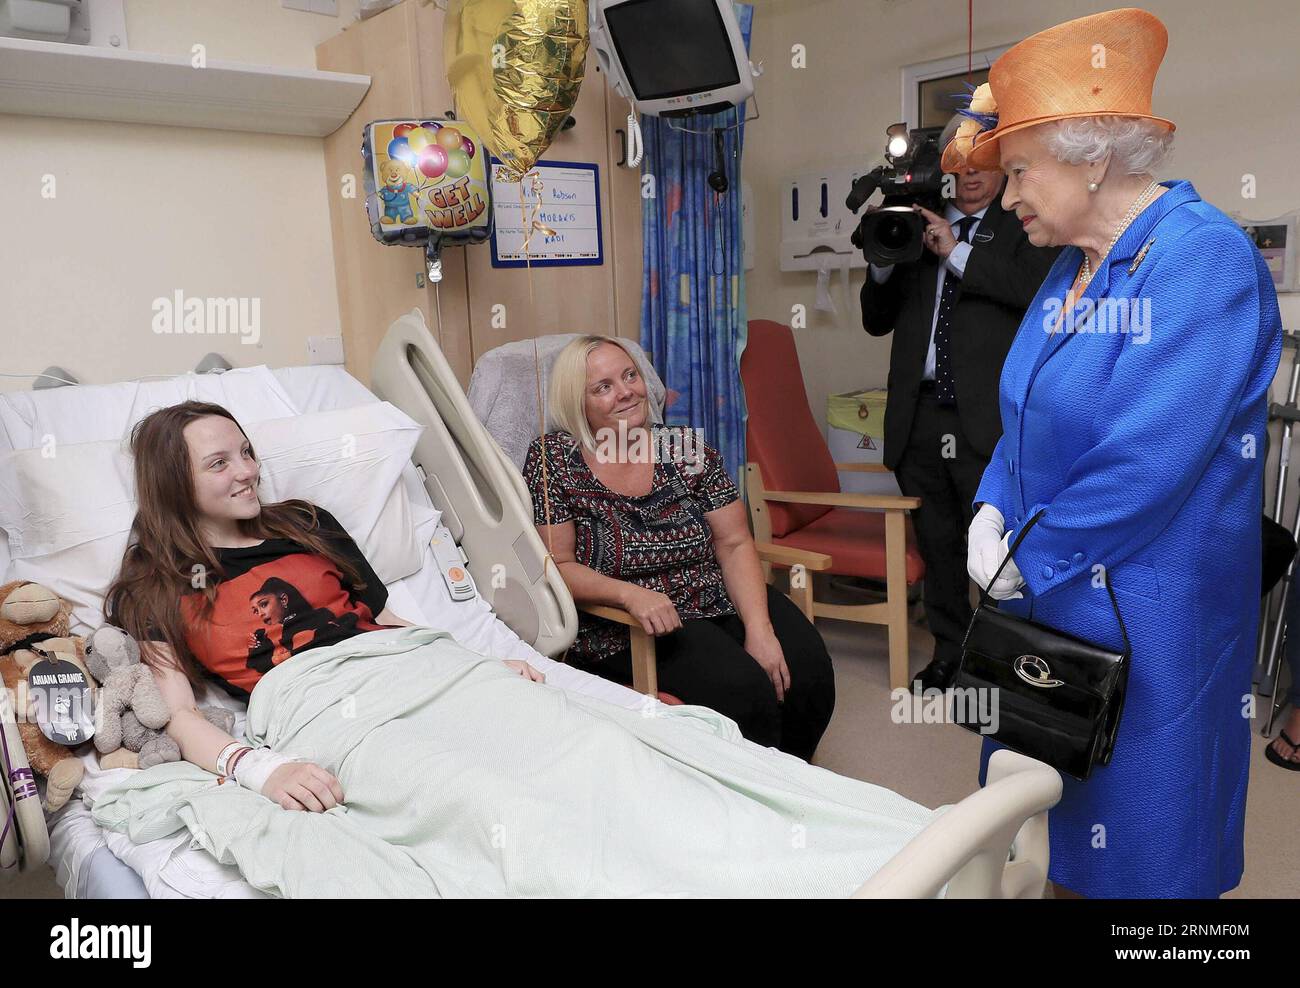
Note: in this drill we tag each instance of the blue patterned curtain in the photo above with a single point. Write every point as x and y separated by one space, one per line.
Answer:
693 316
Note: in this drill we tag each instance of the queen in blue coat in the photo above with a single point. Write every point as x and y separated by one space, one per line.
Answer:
1133 403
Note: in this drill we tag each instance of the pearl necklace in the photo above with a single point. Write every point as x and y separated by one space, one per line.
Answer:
1086 274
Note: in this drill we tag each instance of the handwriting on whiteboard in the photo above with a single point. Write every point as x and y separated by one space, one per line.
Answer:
568 208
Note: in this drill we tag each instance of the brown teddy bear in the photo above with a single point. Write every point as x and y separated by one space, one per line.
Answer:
26 610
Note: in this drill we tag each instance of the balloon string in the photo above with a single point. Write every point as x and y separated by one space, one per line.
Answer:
437 307
529 214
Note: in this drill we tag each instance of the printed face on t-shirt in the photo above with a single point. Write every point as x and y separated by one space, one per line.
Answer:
269 608
272 611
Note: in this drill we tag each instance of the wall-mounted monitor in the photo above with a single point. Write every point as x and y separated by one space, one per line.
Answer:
673 57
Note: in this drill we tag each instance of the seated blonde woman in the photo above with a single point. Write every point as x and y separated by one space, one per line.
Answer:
639 516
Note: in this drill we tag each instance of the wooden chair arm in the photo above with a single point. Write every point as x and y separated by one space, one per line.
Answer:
645 676
610 614
862 468
886 501
786 556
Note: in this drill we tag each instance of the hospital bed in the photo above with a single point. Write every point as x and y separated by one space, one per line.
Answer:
992 844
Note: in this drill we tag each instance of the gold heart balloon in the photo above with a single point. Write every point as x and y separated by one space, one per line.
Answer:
515 67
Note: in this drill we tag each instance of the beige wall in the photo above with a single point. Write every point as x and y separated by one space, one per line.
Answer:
1230 82
141 212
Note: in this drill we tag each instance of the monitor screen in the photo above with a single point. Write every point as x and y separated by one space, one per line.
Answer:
672 47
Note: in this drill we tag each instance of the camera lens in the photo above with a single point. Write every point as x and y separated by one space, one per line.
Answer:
892 234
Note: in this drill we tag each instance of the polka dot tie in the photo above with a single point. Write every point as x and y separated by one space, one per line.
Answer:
944 392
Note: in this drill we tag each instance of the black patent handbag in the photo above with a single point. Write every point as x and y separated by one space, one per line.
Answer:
1057 697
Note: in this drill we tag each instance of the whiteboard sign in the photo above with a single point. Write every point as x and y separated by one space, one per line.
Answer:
569 205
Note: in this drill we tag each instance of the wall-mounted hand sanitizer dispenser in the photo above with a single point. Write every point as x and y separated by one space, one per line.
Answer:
44 20
815 223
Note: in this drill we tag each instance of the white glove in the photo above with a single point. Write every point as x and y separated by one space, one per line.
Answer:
987 546
256 767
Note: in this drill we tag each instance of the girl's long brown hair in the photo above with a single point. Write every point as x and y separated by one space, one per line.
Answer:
167 556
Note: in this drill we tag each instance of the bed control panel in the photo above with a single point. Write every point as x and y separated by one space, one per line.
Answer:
451 562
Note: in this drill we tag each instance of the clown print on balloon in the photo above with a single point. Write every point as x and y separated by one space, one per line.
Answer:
426 185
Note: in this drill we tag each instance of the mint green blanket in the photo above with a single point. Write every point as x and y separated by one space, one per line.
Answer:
462 778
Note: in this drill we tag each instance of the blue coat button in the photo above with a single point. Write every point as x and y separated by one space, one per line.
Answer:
1078 557
1047 572
1062 565
1011 466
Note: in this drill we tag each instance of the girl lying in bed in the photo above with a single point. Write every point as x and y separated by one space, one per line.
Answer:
217 585
462 777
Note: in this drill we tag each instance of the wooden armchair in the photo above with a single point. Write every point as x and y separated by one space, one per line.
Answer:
805 508
899 568
645 677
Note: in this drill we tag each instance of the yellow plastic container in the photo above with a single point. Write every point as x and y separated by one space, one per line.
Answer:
855 433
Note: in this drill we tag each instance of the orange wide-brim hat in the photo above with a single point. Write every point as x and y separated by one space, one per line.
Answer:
1101 65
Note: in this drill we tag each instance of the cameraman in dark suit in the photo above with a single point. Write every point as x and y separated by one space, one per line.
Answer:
953 313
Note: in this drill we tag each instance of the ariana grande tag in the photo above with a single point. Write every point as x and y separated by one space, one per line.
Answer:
60 700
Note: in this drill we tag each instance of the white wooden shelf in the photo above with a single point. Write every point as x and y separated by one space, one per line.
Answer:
47 79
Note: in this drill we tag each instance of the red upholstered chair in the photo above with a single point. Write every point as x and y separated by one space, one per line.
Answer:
795 500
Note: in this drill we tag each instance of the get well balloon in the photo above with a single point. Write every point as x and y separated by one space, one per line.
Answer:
421 193
515 67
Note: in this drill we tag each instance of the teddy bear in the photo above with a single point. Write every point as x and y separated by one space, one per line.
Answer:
30 613
132 710
396 192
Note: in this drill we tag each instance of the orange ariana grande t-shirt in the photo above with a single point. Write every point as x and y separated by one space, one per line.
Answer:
277 599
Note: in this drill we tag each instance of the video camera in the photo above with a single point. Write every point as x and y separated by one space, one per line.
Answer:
892 234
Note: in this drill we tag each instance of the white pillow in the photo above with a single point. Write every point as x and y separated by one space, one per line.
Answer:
68 516
63 495
349 461
97 412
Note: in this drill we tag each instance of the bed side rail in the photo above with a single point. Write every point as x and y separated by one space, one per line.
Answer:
24 842
991 845
483 502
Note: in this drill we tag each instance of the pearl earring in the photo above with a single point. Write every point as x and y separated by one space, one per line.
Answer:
1093 186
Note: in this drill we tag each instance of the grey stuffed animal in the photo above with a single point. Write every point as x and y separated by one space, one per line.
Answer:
133 712
125 683
157 747
153 747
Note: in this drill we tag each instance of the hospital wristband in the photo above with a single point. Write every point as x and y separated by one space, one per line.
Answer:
255 768
223 759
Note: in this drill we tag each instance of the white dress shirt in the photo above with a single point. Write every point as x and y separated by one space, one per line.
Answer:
955 262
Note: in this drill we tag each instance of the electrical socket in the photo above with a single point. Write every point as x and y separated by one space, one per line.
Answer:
324 349
327 7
